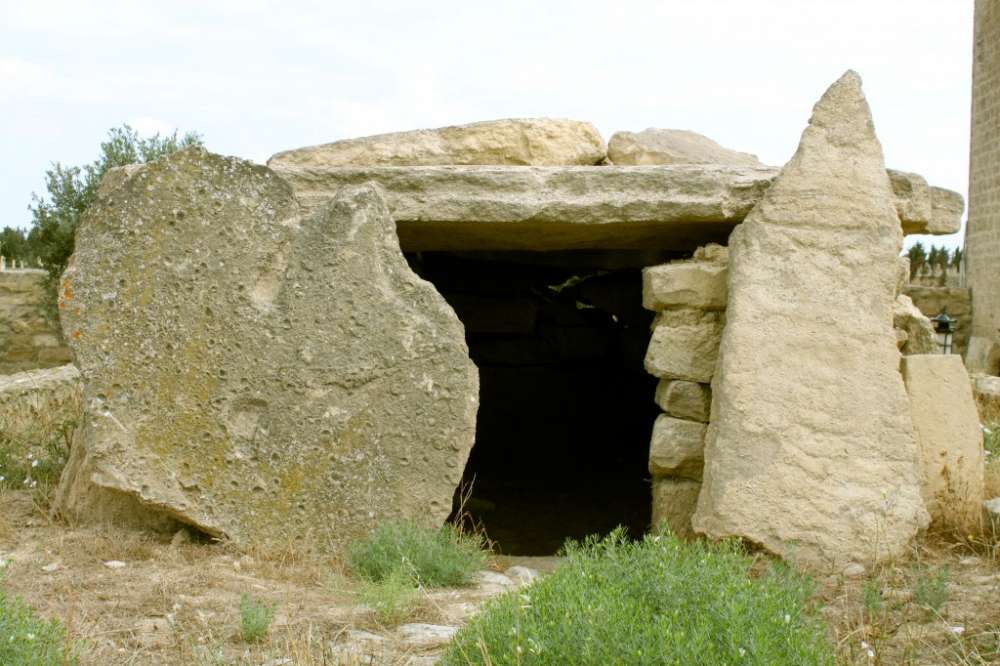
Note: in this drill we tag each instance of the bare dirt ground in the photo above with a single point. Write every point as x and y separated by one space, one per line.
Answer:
174 601
177 602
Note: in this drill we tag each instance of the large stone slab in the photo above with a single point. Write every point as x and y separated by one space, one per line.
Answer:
672 146
525 142
950 439
678 207
257 373
811 451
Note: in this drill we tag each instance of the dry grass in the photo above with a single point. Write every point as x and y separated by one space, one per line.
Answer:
882 613
176 600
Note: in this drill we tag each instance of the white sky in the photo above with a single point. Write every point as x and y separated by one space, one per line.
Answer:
257 77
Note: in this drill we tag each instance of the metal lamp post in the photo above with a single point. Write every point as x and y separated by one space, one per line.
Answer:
944 329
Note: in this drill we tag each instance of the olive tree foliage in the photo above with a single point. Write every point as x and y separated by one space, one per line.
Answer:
71 189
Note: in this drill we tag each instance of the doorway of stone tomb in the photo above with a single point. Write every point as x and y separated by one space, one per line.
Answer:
566 408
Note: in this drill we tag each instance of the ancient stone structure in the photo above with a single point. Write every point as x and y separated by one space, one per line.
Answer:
260 361
811 452
30 336
683 356
677 207
950 440
255 372
982 235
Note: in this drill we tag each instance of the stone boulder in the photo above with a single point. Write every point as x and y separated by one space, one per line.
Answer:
254 372
950 439
672 146
523 142
811 451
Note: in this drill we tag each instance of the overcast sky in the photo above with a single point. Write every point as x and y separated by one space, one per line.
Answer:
257 77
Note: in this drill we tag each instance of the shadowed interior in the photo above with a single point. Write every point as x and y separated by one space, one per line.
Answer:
566 408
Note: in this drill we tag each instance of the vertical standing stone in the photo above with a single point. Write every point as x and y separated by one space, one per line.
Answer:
256 372
811 451
950 439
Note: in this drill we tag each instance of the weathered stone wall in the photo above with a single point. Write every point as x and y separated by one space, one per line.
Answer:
30 336
689 298
957 301
982 236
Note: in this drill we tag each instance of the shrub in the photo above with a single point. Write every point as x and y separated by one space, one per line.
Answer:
433 558
27 640
658 601
255 618
393 599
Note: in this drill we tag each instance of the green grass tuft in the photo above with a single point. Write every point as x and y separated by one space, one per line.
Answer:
658 601
430 558
930 587
255 618
393 599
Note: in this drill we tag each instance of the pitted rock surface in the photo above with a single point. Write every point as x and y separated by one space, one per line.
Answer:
811 451
255 372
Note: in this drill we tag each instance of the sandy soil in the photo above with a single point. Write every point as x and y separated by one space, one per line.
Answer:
176 601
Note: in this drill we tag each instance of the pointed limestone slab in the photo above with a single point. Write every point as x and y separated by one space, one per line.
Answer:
811 451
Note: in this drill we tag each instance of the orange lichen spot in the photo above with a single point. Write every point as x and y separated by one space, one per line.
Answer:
62 304
67 290
76 311
76 335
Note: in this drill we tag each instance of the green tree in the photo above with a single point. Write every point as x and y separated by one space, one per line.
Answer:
70 190
956 257
14 245
918 256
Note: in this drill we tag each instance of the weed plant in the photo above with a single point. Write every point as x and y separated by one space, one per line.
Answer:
658 601
27 640
430 558
393 599
255 618
930 587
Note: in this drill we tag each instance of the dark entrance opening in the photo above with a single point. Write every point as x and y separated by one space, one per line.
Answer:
566 408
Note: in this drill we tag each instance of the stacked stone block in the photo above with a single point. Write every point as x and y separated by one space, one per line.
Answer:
690 299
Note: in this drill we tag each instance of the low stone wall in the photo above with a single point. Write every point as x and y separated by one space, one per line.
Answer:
958 302
689 298
30 336
38 402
